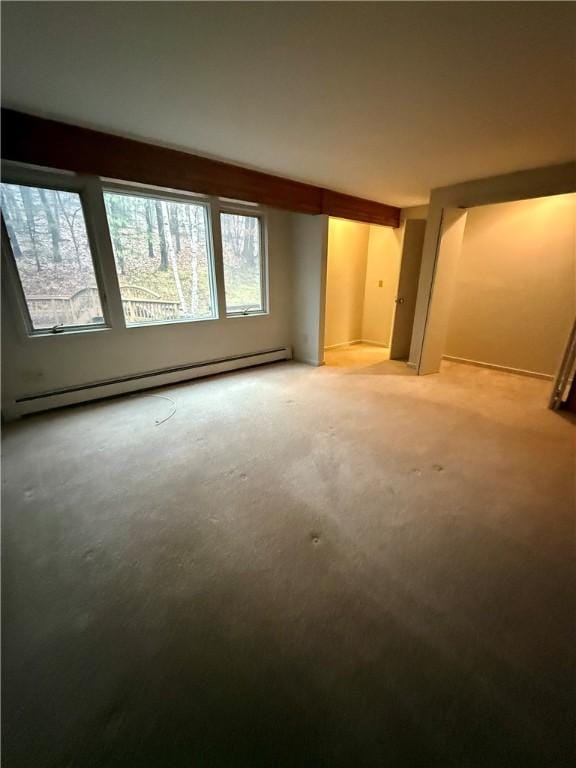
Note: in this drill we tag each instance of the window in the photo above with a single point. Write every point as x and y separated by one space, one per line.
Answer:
163 258
50 246
243 265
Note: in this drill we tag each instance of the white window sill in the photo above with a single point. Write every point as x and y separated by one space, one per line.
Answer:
262 313
163 323
71 331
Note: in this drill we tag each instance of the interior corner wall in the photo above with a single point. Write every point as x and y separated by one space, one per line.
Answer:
513 300
449 247
382 273
537 182
414 212
309 256
345 281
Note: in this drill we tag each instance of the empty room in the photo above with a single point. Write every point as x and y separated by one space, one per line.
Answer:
288 384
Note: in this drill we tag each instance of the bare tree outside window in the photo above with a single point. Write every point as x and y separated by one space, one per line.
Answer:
242 263
163 258
50 246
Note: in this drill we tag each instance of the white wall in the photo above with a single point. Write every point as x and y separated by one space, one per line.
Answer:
414 212
383 264
345 281
430 326
34 365
360 257
382 273
514 295
309 248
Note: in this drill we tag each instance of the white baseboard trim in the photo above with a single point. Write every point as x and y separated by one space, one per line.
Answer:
375 343
343 344
150 380
502 368
357 341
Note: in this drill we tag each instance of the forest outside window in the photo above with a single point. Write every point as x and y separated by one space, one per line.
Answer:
163 258
244 273
49 243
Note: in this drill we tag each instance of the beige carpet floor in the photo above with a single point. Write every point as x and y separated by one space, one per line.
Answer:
356 356
343 566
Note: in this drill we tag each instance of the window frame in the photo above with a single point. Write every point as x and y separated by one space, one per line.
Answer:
155 193
255 212
59 181
91 191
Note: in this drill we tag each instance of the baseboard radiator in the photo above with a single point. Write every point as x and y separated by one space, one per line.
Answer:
58 398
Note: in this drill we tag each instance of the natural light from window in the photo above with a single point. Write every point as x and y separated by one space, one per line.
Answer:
243 269
50 246
163 258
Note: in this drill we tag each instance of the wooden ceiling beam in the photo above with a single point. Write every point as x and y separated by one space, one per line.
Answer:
52 144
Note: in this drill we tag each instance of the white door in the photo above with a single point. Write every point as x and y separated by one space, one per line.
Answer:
407 288
566 373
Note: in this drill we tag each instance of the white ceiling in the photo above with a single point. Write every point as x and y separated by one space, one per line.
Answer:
382 100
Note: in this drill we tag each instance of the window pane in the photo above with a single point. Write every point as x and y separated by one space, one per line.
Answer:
163 258
242 263
50 246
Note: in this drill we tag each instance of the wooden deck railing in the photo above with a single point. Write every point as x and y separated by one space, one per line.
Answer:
144 310
83 307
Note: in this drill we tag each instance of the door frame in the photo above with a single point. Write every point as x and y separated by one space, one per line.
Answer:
565 372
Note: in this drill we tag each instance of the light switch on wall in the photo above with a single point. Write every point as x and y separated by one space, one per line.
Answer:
380 282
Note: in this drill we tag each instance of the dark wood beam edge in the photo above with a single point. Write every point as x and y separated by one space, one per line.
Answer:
359 209
52 144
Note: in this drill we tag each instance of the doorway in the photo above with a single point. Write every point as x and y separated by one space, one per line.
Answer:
371 286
